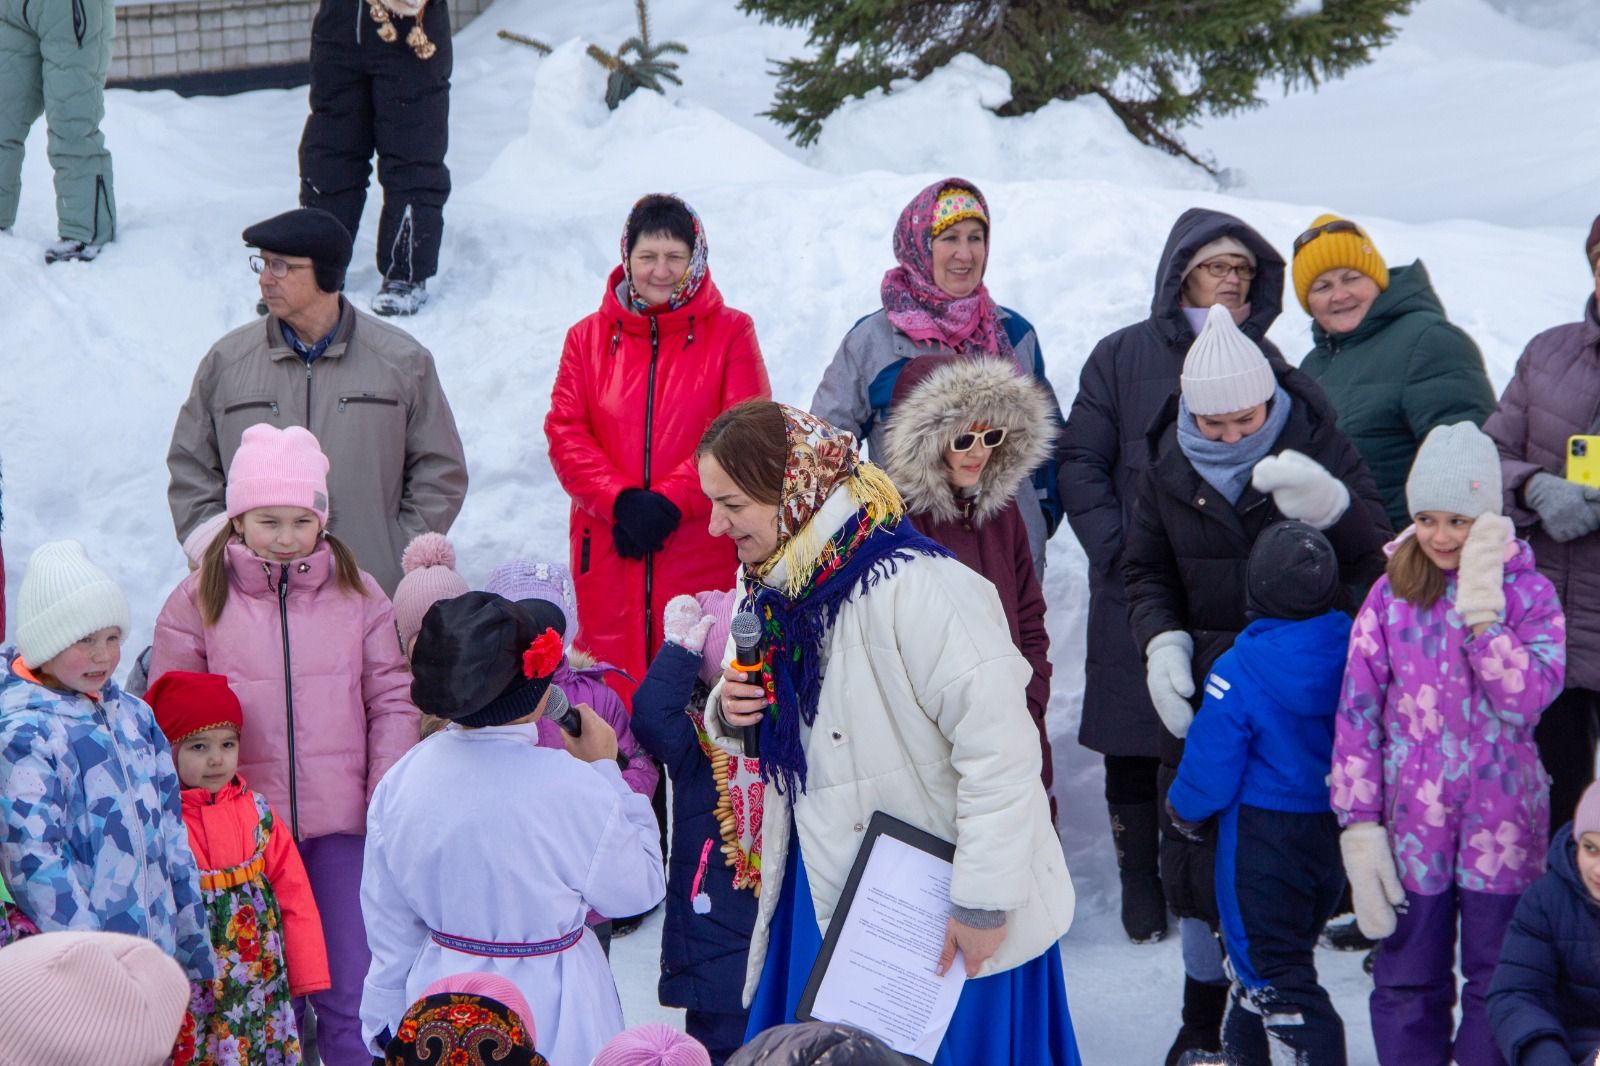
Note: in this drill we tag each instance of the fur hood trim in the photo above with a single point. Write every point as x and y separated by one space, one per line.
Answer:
947 400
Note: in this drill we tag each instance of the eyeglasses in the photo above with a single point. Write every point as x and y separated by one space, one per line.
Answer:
1338 225
278 268
1221 268
991 438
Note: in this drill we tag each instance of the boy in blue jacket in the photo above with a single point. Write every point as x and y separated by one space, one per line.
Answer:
1257 759
1544 1002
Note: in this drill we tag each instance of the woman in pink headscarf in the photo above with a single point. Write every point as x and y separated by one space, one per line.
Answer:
935 302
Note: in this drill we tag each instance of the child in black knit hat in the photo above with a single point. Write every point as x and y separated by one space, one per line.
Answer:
484 851
1257 761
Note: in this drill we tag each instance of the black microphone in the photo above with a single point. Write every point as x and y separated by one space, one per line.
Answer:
563 713
746 631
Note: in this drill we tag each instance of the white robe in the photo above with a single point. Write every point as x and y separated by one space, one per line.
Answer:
481 833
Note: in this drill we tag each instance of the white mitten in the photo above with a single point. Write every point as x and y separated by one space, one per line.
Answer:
684 624
1302 488
1480 583
1170 677
1374 882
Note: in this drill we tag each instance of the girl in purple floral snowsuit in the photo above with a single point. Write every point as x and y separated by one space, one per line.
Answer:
1454 655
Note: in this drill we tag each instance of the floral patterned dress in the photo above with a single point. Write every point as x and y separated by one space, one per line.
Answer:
250 1021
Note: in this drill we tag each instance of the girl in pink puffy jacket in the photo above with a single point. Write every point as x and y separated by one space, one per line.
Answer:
1453 658
307 641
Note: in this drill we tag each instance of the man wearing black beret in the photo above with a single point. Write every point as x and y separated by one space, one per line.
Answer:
368 392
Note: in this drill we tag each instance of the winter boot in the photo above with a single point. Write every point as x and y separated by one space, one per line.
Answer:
1203 1008
1144 905
70 251
398 297
1342 934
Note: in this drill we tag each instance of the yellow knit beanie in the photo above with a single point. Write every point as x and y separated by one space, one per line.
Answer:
1330 251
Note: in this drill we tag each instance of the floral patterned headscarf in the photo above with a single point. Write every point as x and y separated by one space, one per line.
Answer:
451 1029
919 308
692 278
820 457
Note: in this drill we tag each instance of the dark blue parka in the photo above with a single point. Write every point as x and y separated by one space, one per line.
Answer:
1544 1002
1126 383
702 955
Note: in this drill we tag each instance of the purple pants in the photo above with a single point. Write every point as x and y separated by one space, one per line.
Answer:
1414 981
333 866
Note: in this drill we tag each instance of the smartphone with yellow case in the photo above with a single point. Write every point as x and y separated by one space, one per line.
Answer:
1583 460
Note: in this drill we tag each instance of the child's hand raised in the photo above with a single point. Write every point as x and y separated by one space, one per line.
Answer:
1480 588
597 742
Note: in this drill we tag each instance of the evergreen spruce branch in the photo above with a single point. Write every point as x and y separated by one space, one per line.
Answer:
532 42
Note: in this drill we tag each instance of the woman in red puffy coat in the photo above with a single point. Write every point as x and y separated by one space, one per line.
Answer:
639 382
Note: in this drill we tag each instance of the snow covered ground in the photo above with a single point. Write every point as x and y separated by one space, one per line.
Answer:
1467 143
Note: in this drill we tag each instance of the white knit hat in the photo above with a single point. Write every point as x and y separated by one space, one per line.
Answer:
64 598
1223 245
1456 471
74 998
1224 371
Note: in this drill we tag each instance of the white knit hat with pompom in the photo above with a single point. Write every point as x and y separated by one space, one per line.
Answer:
429 563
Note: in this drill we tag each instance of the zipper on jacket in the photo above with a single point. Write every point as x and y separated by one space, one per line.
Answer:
288 684
143 844
249 404
308 408
583 553
691 332
649 428
366 398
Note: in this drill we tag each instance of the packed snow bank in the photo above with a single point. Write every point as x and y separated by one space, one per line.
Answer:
97 357
1469 114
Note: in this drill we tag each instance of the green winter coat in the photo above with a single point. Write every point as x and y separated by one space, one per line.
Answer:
1402 371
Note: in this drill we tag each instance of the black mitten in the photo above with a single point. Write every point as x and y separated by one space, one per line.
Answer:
643 522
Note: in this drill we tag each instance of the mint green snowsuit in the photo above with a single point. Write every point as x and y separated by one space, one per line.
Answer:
54 55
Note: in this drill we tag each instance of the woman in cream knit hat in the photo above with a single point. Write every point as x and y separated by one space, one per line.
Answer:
1243 445
1392 364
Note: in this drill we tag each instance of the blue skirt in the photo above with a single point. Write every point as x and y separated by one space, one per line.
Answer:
1019 1015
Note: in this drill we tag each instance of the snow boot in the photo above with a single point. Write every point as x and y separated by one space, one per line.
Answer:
1144 905
70 251
398 297
1342 934
1203 1008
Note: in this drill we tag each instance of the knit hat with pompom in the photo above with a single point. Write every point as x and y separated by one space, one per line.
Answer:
654 1044
429 566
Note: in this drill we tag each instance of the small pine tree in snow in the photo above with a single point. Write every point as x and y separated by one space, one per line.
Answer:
1159 64
647 70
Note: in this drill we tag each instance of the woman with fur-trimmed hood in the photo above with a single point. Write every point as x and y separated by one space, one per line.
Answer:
963 436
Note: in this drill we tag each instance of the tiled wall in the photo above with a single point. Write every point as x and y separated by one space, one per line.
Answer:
181 37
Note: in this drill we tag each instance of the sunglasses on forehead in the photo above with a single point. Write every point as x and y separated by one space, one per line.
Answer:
1338 225
991 438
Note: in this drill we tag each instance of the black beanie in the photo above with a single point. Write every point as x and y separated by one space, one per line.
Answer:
313 233
469 662
1293 573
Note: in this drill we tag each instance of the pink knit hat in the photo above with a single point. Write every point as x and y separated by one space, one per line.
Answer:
490 986
429 564
278 468
654 1044
76 998
1586 819
720 606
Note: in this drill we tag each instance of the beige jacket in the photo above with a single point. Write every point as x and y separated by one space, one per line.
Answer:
922 715
372 399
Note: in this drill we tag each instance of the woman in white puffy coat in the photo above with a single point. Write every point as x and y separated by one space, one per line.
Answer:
921 713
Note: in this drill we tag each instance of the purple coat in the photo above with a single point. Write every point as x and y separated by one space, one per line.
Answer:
584 682
1555 394
1451 718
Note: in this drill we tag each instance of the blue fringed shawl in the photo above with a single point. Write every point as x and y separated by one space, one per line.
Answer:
856 557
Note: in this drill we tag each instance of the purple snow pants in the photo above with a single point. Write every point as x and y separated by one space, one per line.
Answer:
333 866
1414 983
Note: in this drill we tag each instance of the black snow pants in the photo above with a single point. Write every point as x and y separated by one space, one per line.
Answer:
367 95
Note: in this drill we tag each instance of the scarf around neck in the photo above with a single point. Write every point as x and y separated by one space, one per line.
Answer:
1227 467
919 308
687 285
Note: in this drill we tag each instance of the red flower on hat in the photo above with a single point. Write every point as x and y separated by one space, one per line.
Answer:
543 655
